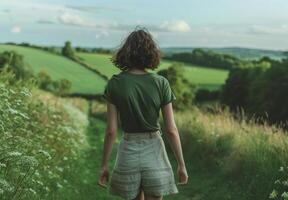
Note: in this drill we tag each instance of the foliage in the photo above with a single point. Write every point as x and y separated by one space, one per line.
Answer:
203 95
280 192
39 142
14 62
58 67
209 59
182 88
67 50
227 158
261 91
59 87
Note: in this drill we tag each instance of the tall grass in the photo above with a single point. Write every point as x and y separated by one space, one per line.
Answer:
39 142
244 154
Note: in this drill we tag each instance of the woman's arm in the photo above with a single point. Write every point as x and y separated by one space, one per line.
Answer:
174 140
110 136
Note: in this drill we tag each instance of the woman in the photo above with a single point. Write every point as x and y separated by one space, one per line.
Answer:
142 167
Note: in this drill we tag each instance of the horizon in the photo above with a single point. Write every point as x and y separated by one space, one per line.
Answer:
182 24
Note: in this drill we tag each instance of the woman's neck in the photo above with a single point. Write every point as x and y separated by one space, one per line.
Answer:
137 71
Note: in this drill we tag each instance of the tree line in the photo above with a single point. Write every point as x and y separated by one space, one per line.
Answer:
262 91
211 59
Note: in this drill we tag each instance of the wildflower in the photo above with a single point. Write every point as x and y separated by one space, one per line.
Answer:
285 183
14 153
285 195
281 169
12 111
45 153
60 169
12 91
59 185
273 194
31 190
26 92
65 158
2 165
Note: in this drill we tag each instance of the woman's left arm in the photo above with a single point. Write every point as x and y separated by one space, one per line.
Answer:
110 136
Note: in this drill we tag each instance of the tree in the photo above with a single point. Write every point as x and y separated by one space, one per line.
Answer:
14 62
44 81
67 50
181 87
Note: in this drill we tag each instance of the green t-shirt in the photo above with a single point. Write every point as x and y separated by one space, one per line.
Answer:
138 98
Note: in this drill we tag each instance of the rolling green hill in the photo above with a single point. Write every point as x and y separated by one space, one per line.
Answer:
203 77
58 67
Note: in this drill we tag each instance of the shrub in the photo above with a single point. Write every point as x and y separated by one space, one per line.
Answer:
60 87
182 88
14 62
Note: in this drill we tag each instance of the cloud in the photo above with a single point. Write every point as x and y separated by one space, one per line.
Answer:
44 21
102 33
69 18
7 10
93 9
268 30
175 26
73 19
15 30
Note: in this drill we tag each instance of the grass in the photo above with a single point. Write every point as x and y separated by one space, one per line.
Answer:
59 67
238 160
226 159
207 78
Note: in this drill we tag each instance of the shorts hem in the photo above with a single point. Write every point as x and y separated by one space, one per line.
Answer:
126 194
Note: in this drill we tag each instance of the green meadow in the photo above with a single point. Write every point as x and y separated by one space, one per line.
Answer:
203 77
59 67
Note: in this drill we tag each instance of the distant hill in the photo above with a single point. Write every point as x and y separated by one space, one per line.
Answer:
243 53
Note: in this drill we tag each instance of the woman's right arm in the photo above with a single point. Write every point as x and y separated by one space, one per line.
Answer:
174 140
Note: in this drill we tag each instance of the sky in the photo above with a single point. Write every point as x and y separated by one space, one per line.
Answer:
259 24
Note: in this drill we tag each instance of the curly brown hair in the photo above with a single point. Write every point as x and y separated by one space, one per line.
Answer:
138 50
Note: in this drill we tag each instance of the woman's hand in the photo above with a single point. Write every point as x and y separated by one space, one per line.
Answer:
104 177
182 175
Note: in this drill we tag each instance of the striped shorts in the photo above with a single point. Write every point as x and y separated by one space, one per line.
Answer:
142 163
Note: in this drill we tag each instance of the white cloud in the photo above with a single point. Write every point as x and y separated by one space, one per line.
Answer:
102 33
73 19
16 29
259 29
175 26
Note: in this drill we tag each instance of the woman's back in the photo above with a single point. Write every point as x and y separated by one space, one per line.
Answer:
138 98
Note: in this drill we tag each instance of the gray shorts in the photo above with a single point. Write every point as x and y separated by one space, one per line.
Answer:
142 162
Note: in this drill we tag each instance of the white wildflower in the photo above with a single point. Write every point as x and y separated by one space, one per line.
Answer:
2 165
273 194
45 153
31 190
285 195
26 92
14 153
59 185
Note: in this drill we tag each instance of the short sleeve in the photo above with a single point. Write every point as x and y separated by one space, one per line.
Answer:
107 94
168 95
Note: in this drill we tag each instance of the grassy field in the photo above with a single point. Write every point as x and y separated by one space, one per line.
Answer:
203 77
226 159
58 67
